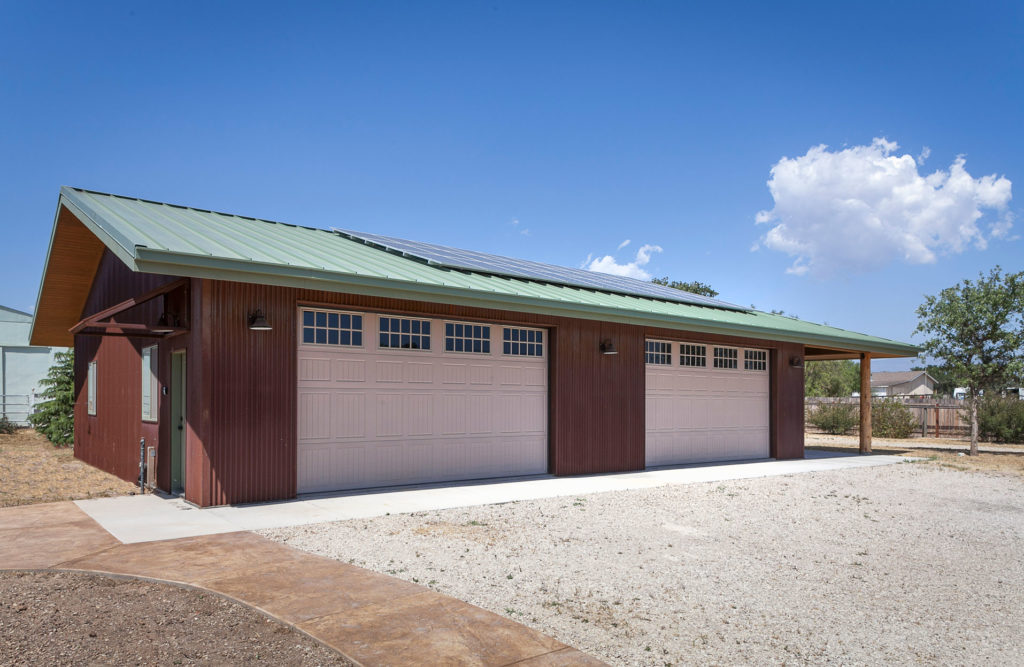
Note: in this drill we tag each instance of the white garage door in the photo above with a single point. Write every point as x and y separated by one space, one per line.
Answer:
386 400
705 403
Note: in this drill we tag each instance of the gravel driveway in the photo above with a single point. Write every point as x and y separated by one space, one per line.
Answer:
904 563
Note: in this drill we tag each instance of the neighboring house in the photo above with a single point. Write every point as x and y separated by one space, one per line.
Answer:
22 366
260 360
902 383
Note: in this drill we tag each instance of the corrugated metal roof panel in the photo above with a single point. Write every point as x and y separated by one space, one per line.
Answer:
188 241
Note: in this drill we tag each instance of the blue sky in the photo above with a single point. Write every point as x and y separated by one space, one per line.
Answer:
549 131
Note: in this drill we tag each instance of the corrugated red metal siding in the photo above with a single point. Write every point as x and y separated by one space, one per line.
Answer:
109 440
787 409
249 403
597 399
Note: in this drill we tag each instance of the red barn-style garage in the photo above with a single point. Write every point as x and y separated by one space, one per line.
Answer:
260 360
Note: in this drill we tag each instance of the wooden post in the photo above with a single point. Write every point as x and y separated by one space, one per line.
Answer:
865 403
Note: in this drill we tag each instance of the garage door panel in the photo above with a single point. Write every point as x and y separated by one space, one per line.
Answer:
350 370
314 369
419 412
452 414
404 416
390 422
454 373
390 372
479 413
314 415
349 416
481 375
419 373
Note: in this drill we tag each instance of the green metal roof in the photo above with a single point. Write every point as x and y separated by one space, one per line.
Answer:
176 240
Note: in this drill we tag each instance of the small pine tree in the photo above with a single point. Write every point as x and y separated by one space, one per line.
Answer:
56 415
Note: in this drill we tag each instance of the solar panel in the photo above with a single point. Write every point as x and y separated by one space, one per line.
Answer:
469 260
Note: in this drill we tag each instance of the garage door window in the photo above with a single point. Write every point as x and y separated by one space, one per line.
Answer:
523 342
460 337
726 357
693 355
658 352
755 360
404 333
326 327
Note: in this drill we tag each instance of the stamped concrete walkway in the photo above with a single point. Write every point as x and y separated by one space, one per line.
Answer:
372 619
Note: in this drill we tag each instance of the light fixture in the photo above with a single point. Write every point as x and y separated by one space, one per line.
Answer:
608 347
796 362
257 322
163 325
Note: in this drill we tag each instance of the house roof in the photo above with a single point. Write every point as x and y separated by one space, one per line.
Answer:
892 378
8 314
161 238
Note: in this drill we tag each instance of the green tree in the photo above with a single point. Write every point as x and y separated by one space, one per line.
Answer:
976 330
56 416
831 378
694 287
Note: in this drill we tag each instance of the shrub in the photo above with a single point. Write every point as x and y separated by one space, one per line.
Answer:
834 418
892 419
56 415
7 427
1001 419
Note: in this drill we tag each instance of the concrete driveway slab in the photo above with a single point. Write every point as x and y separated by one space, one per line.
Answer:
151 517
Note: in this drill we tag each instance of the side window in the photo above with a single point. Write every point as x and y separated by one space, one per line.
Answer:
522 342
404 333
330 327
467 338
91 389
150 359
726 357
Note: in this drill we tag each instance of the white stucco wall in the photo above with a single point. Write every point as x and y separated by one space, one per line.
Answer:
22 366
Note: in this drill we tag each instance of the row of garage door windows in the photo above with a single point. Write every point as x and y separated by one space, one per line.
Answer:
324 327
327 327
660 353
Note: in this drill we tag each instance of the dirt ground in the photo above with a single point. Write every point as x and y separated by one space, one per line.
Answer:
935 451
34 471
63 618
910 563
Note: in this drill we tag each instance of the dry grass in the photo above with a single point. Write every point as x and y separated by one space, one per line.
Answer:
1003 462
34 471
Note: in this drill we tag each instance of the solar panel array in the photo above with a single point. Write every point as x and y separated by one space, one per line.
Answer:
469 260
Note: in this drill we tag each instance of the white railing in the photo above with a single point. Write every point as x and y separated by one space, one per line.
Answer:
16 407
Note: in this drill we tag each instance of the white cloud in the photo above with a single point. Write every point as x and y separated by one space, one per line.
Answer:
623 244
861 207
925 153
607 264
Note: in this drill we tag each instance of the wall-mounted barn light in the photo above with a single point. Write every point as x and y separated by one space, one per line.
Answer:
163 325
608 347
797 362
257 321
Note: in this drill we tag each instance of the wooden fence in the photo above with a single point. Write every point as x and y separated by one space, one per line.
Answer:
938 417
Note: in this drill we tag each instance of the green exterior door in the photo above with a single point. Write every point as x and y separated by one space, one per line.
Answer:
178 421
